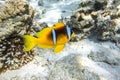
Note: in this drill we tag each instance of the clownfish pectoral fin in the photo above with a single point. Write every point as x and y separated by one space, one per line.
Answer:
43 32
29 42
58 48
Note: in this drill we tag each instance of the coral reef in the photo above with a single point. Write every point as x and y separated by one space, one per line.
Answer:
14 15
12 54
86 59
97 17
15 20
106 30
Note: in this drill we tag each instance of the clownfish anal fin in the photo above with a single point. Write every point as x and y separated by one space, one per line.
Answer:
58 48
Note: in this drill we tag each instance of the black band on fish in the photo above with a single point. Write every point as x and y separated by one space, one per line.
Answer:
54 36
68 31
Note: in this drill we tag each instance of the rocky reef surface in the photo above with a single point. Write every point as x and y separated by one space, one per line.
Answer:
97 18
15 21
92 55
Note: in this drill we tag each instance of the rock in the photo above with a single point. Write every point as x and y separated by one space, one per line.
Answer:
39 26
37 69
78 67
108 60
87 20
116 3
81 24
15 15
12 53
106 30
68 68
40 3
15 20
99 4
103 56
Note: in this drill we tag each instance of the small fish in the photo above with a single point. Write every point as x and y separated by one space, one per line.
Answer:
51 37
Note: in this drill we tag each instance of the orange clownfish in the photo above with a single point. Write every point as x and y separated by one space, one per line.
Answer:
51 37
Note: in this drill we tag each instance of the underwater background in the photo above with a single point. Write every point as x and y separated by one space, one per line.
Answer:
93 54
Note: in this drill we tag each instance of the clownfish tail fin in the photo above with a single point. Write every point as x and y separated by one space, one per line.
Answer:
29 42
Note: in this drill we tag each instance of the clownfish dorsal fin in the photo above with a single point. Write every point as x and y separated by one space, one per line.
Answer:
68 32
58 25
54 36
43 32
58 48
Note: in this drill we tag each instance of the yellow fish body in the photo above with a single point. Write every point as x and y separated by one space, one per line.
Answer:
53 37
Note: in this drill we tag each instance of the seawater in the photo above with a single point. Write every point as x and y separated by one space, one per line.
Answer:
55 9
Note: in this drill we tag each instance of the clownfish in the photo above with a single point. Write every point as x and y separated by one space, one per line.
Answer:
51 37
